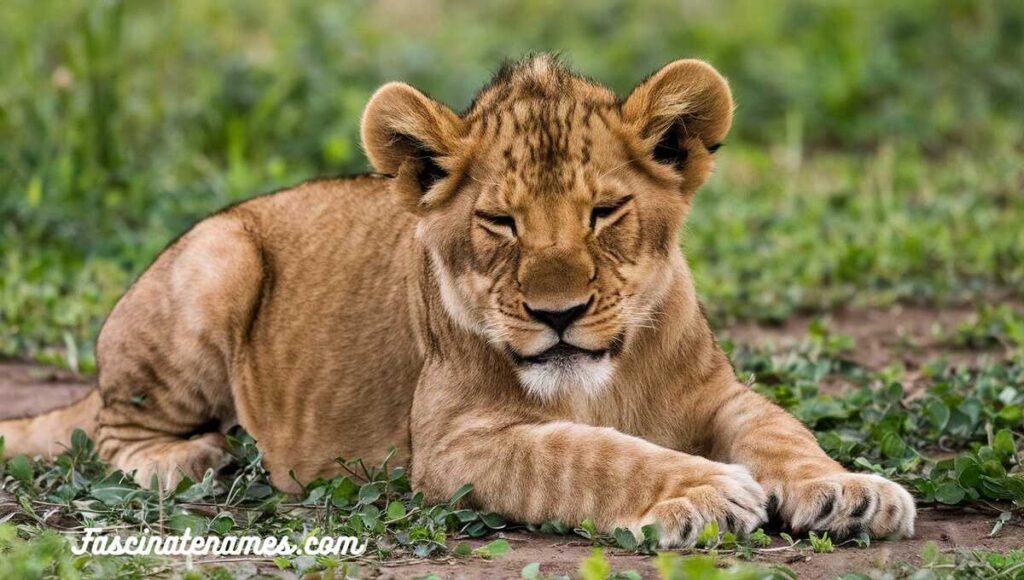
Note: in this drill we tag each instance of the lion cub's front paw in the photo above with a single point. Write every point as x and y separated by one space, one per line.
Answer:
730 497
847 504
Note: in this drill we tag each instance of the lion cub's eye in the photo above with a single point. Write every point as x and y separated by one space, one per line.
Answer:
499 224
604 212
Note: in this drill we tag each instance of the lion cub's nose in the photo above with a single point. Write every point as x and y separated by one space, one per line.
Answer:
558 320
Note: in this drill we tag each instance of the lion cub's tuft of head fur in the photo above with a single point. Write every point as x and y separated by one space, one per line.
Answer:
551 207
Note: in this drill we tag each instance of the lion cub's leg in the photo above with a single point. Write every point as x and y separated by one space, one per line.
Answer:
162 461
165 355
572 472
809 490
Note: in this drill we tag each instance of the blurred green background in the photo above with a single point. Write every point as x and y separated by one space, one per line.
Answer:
876 155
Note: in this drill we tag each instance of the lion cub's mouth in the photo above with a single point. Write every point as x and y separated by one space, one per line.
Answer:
563 351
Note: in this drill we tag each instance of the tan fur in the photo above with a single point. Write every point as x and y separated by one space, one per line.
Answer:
343 316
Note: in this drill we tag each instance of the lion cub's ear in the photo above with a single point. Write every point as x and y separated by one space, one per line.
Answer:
409 135
681 114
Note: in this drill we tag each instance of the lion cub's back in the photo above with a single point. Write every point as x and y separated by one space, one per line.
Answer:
332 362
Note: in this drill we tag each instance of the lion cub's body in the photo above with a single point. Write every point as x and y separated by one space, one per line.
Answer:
506 304
311 375
313 285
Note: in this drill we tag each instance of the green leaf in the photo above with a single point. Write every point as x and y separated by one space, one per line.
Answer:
938 413
554 527
595 567
493 550
34 192
893 446
183 486
993 469
949 493
396 510
222 524
114 489
968 471
760 539
20 468
476 529
587 529
282 563
821 544
530 571
1011 414
652 535
1003 443
708 537
466 516
182 521
462 549
258 491
370 520
667 564
493 521
625 539
460 493
369 493
345 493
81 445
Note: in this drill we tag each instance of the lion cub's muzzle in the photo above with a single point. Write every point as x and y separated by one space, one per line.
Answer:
558 345
559 320
564 340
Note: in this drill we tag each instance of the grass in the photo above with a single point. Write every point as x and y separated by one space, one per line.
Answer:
770 237
875 156
972 411
980 565
876 159
964 564
765 243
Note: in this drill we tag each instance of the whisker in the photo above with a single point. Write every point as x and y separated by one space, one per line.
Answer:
617 167
482 182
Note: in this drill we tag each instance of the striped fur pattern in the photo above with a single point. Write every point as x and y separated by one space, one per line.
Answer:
505 302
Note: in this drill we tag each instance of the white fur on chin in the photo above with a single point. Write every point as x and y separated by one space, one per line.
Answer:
578 374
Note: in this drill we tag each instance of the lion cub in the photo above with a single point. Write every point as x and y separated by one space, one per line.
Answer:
505 301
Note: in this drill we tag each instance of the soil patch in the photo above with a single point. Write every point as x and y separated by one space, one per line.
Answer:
912 335
30 389
560 555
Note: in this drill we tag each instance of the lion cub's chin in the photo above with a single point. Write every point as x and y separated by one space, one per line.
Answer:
576 374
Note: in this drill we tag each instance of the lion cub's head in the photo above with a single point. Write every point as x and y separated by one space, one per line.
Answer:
551 208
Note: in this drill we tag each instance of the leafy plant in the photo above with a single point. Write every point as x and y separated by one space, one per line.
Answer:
970 411
1000 325
962 564
376 503
821 544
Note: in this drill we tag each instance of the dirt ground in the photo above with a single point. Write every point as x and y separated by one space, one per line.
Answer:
882 337
562 555
908 334
28 389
